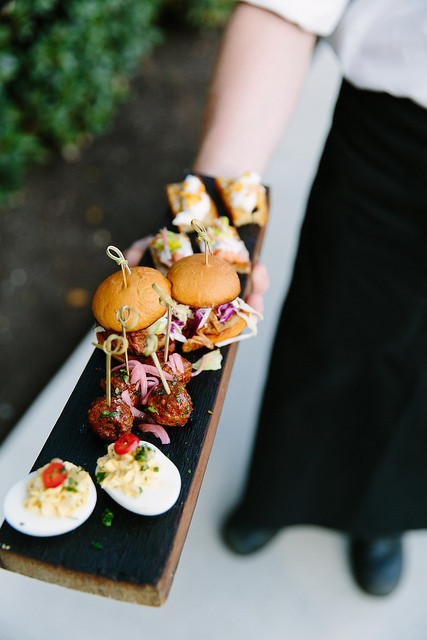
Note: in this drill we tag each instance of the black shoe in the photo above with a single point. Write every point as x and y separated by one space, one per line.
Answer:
244 539
377 563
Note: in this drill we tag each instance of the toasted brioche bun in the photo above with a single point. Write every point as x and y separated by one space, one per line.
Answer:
203 285
138 294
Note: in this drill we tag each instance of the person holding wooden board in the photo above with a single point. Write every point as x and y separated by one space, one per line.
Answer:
344 405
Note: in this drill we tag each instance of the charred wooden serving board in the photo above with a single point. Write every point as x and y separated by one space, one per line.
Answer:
136 557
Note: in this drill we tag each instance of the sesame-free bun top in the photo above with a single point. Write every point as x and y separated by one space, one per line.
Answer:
138 294
203 285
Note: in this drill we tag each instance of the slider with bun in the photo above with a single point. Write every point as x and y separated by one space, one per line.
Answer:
209 291
138 294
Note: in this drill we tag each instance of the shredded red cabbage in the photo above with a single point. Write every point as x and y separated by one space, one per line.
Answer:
199 314
225 311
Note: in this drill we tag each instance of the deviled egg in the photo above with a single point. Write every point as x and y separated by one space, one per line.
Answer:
138 476
53 500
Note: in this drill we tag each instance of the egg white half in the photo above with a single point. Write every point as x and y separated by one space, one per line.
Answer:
34 524
153 500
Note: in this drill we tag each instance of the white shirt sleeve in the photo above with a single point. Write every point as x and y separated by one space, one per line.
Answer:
317 16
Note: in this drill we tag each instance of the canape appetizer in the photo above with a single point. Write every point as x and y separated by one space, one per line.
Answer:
189 199
245 198
166 247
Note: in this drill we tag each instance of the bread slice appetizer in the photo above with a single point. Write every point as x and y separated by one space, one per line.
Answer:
166 247
227 244
245 198
189 199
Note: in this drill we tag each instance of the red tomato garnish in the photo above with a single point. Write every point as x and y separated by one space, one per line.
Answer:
54 475
127 443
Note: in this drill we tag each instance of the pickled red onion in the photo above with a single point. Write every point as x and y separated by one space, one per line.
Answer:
200 369
126 398
156 430
146 382
176 364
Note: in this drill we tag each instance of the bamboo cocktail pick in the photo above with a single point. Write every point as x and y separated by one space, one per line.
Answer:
115 254
167 302
151 345
110 350
203 236
128 317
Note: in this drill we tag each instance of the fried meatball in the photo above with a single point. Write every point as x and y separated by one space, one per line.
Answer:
109 422
119 383
170 409
182 376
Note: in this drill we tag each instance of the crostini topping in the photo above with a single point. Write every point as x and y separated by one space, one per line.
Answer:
171 246
225 243
243 191
195 202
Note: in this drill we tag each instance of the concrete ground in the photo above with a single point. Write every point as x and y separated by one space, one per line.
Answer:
299 586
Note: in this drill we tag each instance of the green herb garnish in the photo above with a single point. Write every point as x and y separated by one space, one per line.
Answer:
107 518
108 414
141 454
96 545
100 476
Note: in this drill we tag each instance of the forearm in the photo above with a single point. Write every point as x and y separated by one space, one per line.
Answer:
256 82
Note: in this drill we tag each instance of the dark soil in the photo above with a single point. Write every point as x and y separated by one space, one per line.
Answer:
53 238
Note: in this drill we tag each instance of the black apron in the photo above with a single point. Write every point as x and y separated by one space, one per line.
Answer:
342 438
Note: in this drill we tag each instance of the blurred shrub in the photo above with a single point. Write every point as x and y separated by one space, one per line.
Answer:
210 13
65 65
206 14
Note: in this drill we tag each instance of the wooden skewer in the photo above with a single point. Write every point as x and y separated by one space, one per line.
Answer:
128 318
110 350
150 349
115 254
168 329
203 236
167 302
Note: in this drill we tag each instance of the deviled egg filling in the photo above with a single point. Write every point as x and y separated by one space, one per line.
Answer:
130 472
71 492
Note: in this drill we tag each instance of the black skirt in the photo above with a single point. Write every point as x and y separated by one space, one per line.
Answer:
342 438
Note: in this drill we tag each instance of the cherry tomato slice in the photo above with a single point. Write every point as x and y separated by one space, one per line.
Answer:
127 443
54 475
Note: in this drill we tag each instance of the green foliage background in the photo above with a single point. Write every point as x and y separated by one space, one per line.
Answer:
65 66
